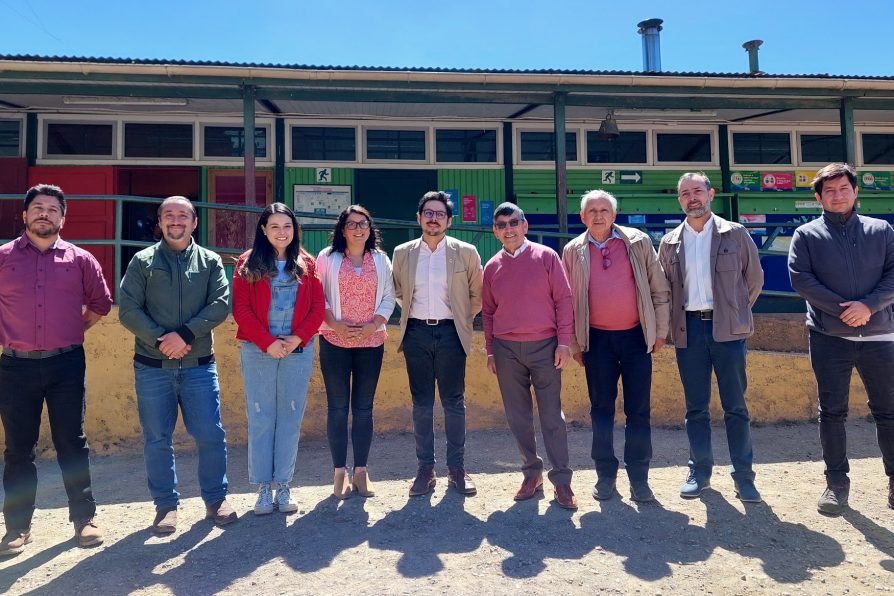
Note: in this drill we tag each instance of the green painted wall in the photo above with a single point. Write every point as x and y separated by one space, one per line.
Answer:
485 185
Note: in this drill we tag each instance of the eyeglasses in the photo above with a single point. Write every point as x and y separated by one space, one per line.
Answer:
502 225
606 262
432 214
353 225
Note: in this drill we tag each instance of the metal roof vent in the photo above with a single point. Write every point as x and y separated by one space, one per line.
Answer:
650 30
752 47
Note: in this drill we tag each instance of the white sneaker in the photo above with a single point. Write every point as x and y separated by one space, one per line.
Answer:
264 504
284 501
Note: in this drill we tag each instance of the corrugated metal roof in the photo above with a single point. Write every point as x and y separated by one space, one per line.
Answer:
538 71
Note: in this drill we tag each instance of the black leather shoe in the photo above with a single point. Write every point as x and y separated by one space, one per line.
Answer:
640 491
459 480
604 489
424 482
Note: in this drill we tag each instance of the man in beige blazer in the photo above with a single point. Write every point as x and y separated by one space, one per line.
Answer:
437 283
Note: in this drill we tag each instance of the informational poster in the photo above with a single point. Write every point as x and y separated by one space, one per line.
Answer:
875 180
777 181
330 200
752 218
487 213
454 197
745 180
803 179
470 209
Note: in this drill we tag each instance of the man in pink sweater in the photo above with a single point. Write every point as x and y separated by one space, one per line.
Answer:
528 328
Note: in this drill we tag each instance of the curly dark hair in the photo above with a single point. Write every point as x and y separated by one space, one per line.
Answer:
338 242
261 262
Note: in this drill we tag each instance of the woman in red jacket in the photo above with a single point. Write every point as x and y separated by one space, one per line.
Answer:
278 306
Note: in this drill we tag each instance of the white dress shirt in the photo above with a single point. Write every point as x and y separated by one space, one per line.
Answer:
697 253
431 299
519 250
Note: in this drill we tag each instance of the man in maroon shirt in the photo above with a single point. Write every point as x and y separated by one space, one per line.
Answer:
528 327
45 285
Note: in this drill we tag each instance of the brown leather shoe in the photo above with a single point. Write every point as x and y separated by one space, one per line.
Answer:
529 487
87 532
462 482
424 482
14 542
221 513
565 497
165 521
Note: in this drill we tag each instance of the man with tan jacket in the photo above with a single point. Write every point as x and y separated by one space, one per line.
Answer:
437 282
621 315
715 276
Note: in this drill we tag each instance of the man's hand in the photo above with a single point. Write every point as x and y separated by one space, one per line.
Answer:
172 345
563 357
491 364
90 318
855 313
659 343
579 358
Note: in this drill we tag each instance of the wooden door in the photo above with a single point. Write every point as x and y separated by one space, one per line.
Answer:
230 229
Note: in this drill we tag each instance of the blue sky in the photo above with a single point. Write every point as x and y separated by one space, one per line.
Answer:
800 37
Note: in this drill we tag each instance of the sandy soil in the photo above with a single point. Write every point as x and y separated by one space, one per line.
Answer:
486 544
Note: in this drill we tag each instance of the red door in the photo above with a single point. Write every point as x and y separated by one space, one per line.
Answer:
85 220
228 229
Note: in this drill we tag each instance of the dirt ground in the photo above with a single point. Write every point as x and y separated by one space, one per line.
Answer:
485 544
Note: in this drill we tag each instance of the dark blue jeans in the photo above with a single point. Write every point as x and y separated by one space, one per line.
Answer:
434 354
727 359
24 386
613 355
350 376
833 360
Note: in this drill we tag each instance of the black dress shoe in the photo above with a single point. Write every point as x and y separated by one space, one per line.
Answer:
604 489
424 482
640 492
462 482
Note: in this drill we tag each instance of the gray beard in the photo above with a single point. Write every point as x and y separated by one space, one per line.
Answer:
697 212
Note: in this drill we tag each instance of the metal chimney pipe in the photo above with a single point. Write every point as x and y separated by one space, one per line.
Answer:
650 29
752 47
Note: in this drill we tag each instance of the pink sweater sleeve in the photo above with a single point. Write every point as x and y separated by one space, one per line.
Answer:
561 293
488 306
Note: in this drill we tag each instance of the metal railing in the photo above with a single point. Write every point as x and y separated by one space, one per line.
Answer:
316 236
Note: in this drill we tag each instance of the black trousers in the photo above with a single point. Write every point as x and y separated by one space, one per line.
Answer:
24 386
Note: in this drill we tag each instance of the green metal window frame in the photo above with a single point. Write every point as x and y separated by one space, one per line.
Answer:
10 138
632 147
878 148
79 139
324 143
771 148
465 145
159 140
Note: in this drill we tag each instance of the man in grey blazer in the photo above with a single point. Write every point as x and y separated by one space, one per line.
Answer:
437 283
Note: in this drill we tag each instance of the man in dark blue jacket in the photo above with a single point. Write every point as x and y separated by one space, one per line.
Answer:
842 264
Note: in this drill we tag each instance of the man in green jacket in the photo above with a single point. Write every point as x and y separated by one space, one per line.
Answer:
172 295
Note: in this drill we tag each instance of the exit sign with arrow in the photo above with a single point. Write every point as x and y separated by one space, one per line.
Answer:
631 177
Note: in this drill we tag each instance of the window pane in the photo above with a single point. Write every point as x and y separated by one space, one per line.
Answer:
630 147
878 149
762 147
541 146
681 147
79 139
821 148
9 138
395 144
229 141
158 140
466 145
323 143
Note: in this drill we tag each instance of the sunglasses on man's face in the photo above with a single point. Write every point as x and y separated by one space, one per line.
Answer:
502 225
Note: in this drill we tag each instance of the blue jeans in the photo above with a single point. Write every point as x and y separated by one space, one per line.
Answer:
435 354
196 391
613 355
833 360
351 376
727 359
275 399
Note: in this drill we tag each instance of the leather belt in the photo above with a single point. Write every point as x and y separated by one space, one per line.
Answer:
704 315
431 322
39 354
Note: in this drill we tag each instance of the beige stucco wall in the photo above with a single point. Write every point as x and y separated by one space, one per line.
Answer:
781 387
